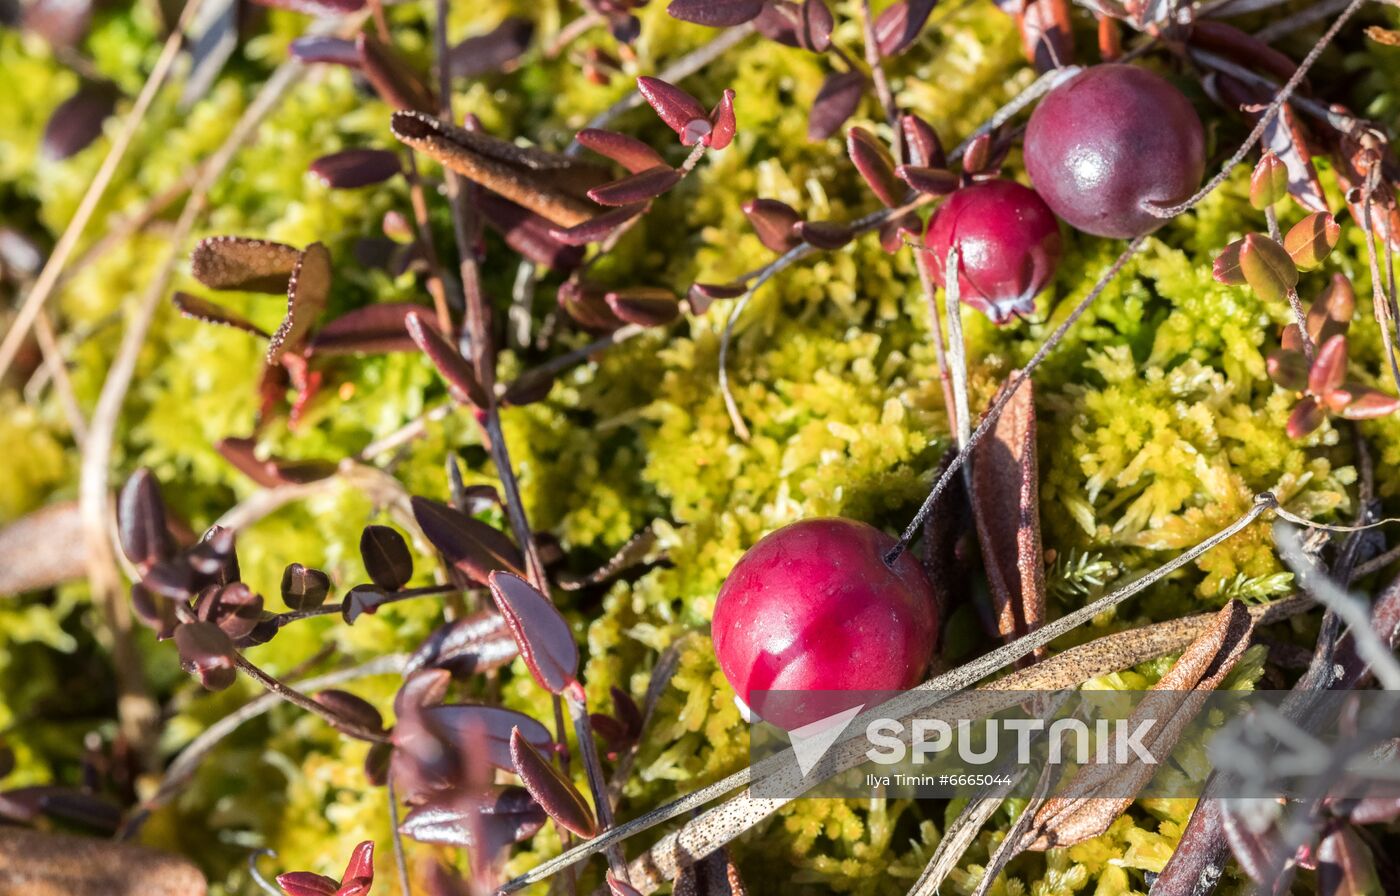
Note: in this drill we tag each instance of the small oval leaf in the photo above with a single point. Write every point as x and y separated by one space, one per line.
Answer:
555 793
386 556
544 637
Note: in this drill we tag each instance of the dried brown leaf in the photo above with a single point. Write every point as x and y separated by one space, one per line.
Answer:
38 863
1006 507
235 262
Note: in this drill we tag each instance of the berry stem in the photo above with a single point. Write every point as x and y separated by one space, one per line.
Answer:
1300 315
878 76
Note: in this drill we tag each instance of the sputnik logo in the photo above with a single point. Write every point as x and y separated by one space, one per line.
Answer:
812 741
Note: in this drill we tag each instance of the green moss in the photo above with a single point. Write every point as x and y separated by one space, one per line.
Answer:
1157 424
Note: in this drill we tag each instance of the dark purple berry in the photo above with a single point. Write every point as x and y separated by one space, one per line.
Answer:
1008 246
1111 142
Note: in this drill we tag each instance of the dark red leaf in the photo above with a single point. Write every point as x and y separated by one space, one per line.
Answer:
1367 404
629 152
1287 368
773 222
1329 367
353 168
235 608
304 588
780 21
1306 417
305 883
545 640
715 13
469 545
356 710
316 7
386 556
1047 33
722 122
484 731
555 793
493 51
627 712
636 188
201 309
372 329
271 471
712 291
77 121
392 77
978 154
621 888
929 181
815 24
488 821
874 162
141 525
674 106
461 380
235 262
837 100
359 871
921 141
585 302
647 306
207 652
528 233
333 50
597 228
899 25
62 23
824 234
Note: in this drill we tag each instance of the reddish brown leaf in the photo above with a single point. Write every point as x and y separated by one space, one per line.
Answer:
629 152
636 188
824 234
1241 47
1269 182
899 25
922 143
206 652
461 380
386 557
304 588
647 306
465 646
837 101
43 548
874 162
545 640
1284 136
675 107
495 51
371 330
484 731
1312 239
715 13
235 262
469 545
1288 368
528 233
555 793
1345 866
353 168
1306 417
1006 507
194 307
1047 34
722 122
1267 268
929 181
77 121
355 710
1329 367
332 50
316 7
598 227
488 822
773 222
1368 404
814 26
141 525
1226 268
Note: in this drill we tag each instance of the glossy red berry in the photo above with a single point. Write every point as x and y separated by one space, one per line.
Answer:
814 606
1108 143
1008 246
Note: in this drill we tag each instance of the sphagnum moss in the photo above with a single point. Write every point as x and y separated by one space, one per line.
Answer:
1157 425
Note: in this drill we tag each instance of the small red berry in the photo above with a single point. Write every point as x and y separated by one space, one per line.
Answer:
1008 246
813 606
1110 142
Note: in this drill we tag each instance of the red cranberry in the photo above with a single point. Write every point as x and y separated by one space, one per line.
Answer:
1108 143
1008 246
814 606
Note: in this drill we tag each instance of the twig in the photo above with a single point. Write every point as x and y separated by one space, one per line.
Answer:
281 619
48 277
1300 19
1174 635
1300 314
878 76
58 370
1378 562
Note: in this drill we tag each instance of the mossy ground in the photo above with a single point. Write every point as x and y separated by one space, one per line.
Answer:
1157 425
